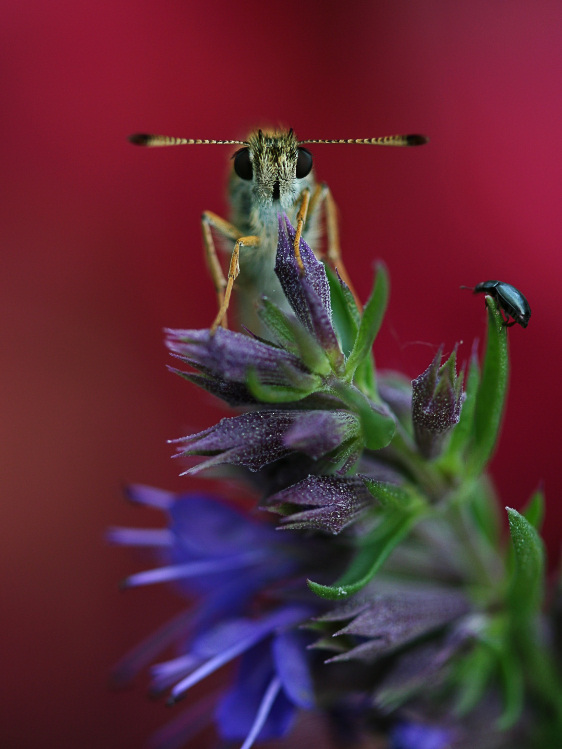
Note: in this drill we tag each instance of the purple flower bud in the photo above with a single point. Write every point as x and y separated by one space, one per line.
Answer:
308 293
436 404
389 621
227 360
258 438
336 502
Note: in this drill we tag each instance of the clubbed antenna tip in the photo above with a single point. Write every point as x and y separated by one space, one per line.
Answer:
416 140
139 139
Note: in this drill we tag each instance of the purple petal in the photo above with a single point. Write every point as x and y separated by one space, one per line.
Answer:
150 496
167 673
218 553
237 711
292 665
266 721
135 660
229 639
151 537
413 735
178 732
196 569
207 528
229 633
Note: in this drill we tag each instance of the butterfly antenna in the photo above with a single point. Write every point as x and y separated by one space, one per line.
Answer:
150 141
385 140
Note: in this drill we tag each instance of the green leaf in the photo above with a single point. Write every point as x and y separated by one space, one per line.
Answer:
371 321
369 558
345 315
525 590
534 510
377 423
491 393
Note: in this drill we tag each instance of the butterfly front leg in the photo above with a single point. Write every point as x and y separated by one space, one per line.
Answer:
223 286
322 200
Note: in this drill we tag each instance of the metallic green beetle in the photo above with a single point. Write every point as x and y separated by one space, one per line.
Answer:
509 299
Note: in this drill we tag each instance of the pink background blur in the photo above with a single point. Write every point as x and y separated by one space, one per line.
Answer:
101 249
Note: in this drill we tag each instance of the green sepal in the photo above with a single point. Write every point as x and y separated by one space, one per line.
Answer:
483 506
398 381
346 320
371 321
525 586
377 423
476 674
365 378
278 324
310 352
453 456
277 393
290 334
294 338
393 528
388 495
491 393
534 509
492 660
473 674
512 686
345 315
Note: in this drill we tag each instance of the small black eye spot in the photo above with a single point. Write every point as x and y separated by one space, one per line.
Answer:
304 163
243 164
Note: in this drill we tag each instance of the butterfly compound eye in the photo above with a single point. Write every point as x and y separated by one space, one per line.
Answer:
243 164
304 163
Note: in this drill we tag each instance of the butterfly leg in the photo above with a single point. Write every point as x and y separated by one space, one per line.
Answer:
322 198
223 286
301 220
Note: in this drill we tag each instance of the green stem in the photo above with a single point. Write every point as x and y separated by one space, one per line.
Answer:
486 568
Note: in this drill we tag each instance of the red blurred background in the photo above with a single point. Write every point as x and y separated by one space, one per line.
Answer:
101 250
